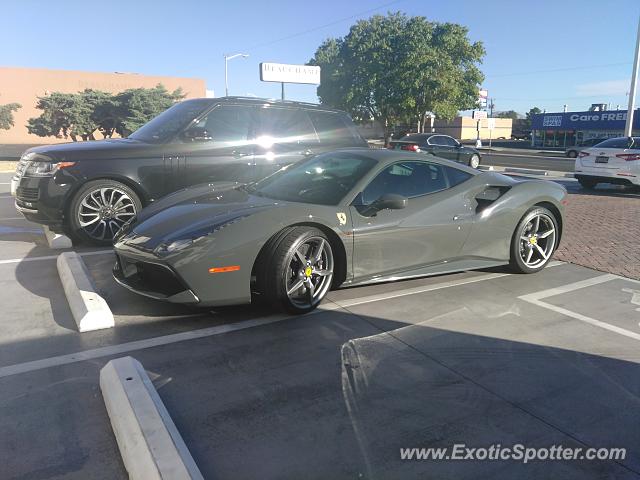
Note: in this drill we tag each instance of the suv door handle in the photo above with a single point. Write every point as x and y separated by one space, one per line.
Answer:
307 153
238 154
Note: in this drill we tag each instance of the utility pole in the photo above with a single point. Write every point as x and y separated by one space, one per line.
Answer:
628 128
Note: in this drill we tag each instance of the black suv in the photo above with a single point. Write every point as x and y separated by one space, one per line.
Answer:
88 190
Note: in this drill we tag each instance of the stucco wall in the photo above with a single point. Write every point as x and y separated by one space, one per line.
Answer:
24 85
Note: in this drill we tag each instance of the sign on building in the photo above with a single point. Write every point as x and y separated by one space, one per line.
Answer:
479 114
482 98
286 73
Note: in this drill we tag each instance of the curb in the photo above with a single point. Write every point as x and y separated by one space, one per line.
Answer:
89 310
150 444
56 240
526 171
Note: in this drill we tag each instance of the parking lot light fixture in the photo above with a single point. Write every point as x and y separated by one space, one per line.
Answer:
226 77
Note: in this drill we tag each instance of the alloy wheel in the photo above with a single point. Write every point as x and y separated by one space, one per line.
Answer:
537 240
310 271
103 211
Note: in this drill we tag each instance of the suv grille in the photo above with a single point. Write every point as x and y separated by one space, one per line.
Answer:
27 194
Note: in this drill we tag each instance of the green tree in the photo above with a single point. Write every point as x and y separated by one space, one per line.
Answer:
512 114
81 115
6 115
395 67
134 107
529 115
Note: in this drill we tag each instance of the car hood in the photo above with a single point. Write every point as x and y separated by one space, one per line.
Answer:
98 149
191 212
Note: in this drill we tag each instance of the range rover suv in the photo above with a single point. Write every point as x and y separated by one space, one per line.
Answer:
88 190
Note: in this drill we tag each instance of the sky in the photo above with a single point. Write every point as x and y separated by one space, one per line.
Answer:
544 53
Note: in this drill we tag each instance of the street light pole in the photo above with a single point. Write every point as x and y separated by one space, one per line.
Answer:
628 128
226 74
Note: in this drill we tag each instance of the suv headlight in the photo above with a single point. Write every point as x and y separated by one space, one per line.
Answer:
45 169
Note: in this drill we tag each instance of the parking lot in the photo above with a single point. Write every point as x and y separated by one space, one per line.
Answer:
478 358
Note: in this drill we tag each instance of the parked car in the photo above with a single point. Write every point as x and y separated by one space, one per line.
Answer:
442 146
616 160
347 217
89 189
572 152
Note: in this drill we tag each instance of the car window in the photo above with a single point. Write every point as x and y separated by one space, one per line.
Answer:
323 180
619 142
285 125
456 176
448 141
409 179
227 123
333 128
170 122
416 137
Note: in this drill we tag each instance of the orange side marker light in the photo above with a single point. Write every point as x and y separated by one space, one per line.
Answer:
230 268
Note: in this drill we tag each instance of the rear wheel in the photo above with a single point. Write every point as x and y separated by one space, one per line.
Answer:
534 241
572 154
474 161
298 272
99 209
587 183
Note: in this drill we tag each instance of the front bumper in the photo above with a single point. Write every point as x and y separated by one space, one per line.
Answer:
40 199
153 280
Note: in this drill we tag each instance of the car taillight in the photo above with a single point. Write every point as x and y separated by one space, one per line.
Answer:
583 154
411 148
629 157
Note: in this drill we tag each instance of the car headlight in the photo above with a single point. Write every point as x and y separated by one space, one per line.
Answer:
44 168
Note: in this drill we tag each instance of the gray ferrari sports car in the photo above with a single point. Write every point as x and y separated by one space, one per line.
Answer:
346 217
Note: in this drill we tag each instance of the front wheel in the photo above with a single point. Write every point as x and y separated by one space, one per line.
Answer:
99 209
534 241
474 161
299 270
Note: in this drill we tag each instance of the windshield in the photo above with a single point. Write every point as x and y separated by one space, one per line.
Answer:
170 122
322 180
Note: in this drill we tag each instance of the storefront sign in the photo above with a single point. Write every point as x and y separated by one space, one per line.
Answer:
607 120
281 72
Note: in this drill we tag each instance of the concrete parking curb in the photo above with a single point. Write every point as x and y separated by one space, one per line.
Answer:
149 442
56 240
89 310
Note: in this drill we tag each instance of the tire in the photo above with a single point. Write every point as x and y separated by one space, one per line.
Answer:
99 209
587 183
534 241
572 154
286 280
474 160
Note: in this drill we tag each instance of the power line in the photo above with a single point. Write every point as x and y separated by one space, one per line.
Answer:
565 69
315 29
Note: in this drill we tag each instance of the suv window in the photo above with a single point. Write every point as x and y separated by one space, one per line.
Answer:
456 176
333 128
410 179
285 125
620 142
227 123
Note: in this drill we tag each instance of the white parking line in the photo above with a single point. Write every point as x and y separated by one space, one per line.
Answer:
12 218
218 330
51 257
535 298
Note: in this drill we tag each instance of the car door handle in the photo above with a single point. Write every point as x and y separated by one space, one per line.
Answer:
238 154
307 152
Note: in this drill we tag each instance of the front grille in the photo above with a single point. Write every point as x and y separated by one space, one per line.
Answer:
150 277
28 194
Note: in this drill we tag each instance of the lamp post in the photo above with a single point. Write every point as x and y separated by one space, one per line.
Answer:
226 77
628 128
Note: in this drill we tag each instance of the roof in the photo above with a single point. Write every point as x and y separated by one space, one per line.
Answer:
269 101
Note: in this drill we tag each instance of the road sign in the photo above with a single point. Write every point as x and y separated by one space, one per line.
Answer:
479 114
491 123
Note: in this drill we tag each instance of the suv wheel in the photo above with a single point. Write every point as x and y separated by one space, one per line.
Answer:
99 209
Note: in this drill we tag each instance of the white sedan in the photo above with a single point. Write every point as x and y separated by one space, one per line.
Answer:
616 160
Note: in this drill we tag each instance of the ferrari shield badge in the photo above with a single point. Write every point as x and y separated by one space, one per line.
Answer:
342 218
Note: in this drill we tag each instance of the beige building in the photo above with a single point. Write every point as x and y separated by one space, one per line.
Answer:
465 128
24 85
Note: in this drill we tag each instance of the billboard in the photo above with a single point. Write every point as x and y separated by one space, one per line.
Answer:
285 73
601 120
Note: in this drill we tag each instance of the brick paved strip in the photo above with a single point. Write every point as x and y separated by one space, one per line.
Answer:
602 232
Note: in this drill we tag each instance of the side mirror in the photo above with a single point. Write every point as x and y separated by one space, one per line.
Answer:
197 134
391 201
